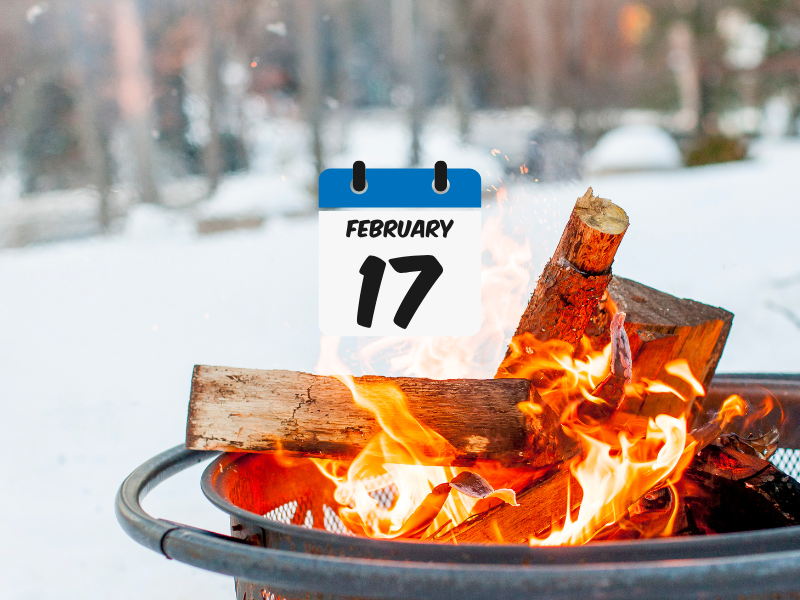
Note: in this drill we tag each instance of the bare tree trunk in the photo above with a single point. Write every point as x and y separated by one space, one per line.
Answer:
134 94
311 74
212 153
683 63
541 81
95 146
343 80
459 65
410 52
343 34
93 127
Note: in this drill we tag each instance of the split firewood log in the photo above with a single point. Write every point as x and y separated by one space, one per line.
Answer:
249 410
577 295
663 328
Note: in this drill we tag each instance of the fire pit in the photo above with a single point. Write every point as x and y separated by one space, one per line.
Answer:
287 541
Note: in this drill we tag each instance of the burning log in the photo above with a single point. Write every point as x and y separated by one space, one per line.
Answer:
540 506
576 295
543 504
575 279
309 415
567 304
728 488
663 328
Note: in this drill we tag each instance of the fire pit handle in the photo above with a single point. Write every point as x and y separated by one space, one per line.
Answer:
139 525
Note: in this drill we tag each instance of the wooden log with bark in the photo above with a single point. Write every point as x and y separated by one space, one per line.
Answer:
575 278
310 415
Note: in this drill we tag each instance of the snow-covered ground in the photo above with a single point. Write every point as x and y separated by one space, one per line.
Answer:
98 339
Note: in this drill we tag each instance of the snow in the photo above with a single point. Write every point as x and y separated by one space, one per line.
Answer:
99 338
149 223
633 148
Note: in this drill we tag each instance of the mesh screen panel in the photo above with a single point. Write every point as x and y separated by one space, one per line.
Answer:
788 461
385 496
284 513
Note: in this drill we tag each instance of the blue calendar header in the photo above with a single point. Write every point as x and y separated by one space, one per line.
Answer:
400 188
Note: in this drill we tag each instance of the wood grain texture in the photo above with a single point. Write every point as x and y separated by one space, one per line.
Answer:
662 328
593 234
575 278
309 415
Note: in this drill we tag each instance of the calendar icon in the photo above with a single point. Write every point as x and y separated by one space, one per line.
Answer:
400 252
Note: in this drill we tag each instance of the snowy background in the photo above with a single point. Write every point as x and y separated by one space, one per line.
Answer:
99 335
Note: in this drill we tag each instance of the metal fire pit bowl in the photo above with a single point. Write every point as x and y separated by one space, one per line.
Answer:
287 541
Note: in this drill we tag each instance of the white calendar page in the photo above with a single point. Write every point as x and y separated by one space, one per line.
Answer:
407 271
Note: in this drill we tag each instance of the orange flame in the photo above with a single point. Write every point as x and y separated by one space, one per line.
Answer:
621 460
398 458
733 406
393 459
614 476
680 368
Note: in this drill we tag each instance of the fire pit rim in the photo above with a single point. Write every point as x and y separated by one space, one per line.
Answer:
727 576
319 541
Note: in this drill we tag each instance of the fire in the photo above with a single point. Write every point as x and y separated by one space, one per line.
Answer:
393 459
621 459
624 456
614 476
399 458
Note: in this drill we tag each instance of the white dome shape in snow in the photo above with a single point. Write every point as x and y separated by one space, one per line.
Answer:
633 148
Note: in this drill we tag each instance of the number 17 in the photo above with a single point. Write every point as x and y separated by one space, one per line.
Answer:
372 269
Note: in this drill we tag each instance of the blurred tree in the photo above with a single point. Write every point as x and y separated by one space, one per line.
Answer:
311 76
178 75
90 67
134 91
541 79
460 62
